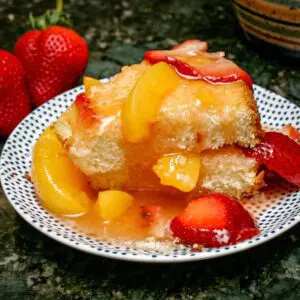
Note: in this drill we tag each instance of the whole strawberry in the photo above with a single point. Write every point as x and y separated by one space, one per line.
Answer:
14 101
54 58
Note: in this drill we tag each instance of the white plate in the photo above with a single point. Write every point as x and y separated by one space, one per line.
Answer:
275 214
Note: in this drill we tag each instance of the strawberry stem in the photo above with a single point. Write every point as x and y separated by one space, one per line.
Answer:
59 5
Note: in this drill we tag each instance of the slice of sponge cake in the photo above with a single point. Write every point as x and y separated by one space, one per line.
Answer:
210 120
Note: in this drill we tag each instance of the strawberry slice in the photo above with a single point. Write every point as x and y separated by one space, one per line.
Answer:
279 153
213 220
191 48
187 48
220 70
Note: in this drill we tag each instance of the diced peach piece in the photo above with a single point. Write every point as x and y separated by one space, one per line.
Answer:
112 204
143 103
178 170
89 83
59 184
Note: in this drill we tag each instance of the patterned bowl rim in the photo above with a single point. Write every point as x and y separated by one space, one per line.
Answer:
242 246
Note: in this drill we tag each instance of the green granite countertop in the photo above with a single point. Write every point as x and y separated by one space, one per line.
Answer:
33 266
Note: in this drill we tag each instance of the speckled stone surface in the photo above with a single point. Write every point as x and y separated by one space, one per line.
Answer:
33 266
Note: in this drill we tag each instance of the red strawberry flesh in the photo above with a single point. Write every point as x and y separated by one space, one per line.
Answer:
279 153
213 220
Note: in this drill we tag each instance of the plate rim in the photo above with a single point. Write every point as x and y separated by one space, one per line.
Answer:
142 258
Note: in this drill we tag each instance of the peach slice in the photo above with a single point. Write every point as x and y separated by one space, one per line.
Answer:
178 170
59 184
144 100
112 204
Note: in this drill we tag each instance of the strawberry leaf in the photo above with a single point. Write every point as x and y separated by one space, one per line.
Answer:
51 17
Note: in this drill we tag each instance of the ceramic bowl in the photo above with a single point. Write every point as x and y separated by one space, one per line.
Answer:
271 24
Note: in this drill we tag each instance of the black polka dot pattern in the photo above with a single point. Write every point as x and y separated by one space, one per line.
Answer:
277 211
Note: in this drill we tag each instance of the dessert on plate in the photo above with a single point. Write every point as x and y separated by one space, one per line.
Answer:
164 149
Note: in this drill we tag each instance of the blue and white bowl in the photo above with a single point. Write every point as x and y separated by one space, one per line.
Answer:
275 212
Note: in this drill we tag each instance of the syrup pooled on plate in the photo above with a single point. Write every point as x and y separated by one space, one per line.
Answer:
136 224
